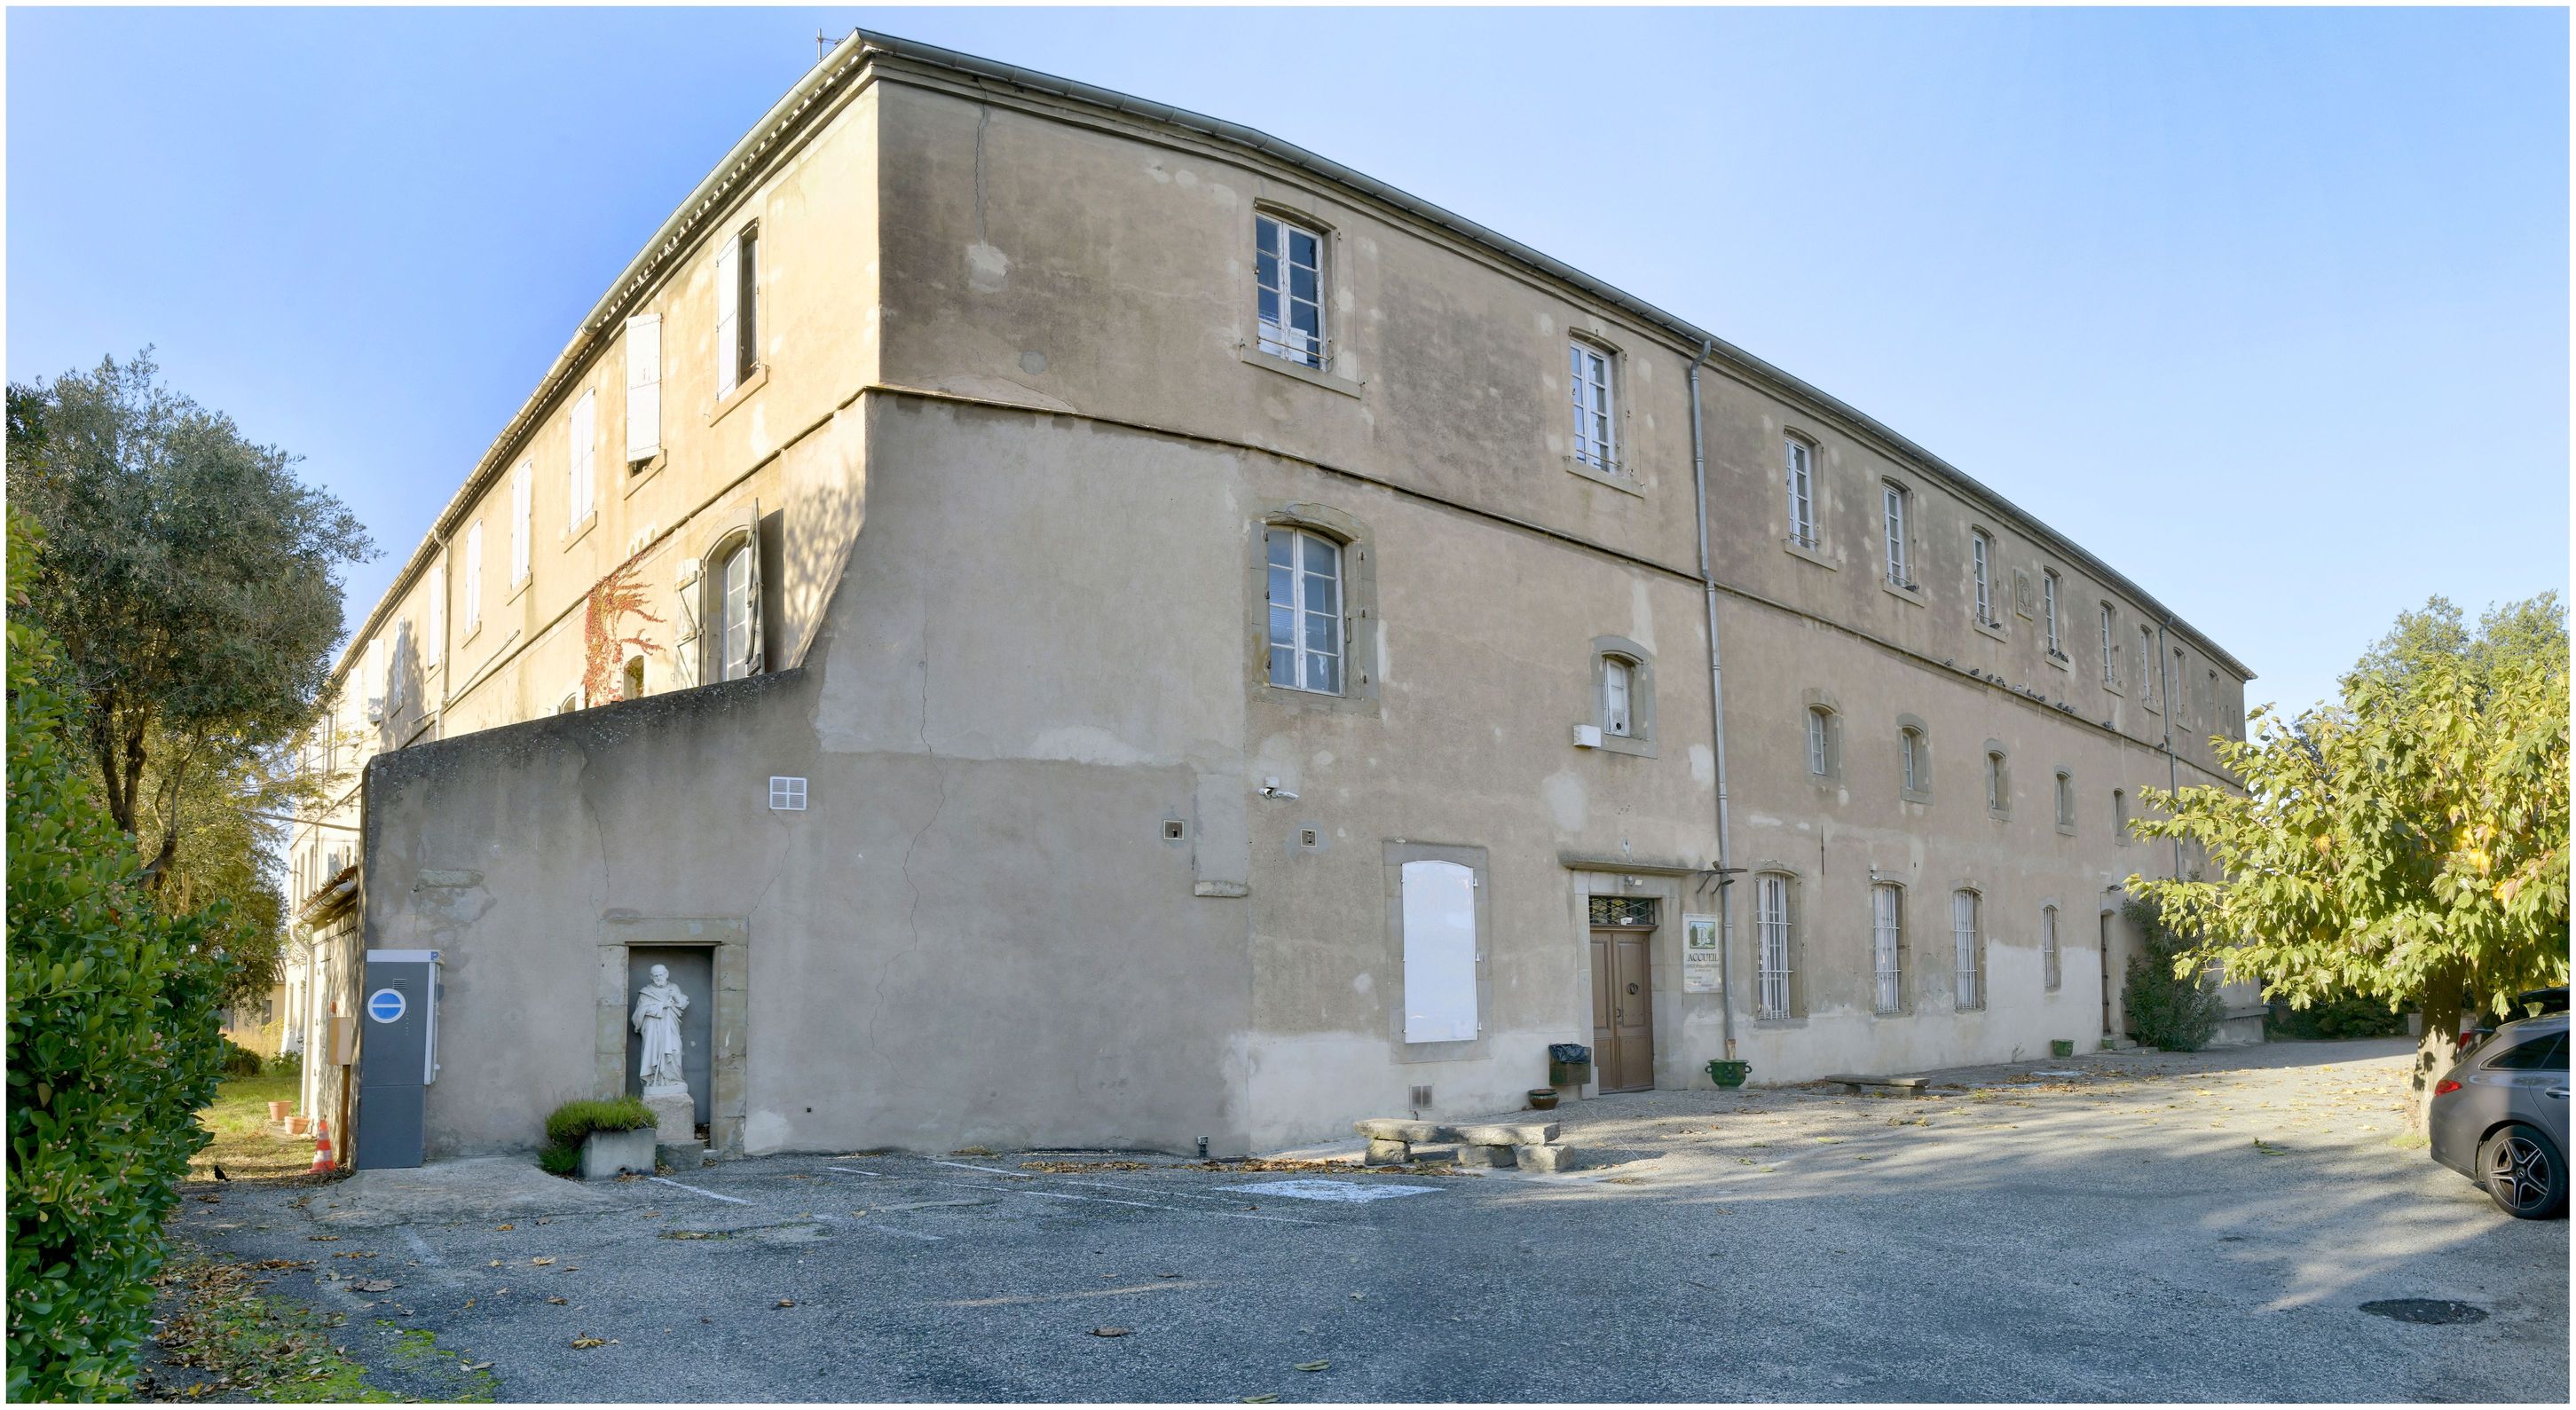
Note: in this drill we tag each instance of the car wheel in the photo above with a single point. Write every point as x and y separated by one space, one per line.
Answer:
2524 1173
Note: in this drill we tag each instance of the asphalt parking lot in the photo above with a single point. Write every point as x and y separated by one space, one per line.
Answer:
2115 1227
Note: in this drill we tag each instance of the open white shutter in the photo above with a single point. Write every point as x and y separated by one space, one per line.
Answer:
684 651
755 657
728 316
643 387
523 491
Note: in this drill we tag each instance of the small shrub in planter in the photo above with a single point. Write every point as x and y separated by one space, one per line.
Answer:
2061 1047
1729 1073
570 1127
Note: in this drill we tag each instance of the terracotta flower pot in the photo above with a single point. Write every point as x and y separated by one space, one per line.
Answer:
277 1110
299 1125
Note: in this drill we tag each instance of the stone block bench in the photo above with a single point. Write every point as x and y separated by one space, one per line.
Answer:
1527 1145
1856 1082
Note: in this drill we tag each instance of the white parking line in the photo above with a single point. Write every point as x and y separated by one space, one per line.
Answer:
1171 1208
846 1170
882 1228
983 1169
692 1189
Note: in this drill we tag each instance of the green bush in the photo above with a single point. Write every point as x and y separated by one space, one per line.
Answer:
239 1061
2350 1016
113 1046
574 1121
2172 1013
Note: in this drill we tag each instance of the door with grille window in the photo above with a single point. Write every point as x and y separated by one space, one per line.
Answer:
1623 993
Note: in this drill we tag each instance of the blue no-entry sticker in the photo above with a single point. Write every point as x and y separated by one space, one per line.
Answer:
386 1005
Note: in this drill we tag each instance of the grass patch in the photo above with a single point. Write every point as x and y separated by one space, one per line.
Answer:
243 1144
222 1338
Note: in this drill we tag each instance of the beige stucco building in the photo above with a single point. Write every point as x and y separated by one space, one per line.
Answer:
1085 624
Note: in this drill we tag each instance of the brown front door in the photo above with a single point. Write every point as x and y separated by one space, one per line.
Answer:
1623 1014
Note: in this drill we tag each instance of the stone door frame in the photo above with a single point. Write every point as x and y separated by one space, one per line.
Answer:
730 939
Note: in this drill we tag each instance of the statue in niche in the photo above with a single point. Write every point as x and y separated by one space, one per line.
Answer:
658 1007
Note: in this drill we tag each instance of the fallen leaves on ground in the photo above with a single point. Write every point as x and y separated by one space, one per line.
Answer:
373 1285
1075 1167
588 1343
1264 1398
559 1301
1110 1331
542 1262
786 1302
1314 1365
2267 1148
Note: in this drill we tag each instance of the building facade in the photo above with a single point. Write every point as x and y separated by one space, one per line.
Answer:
1073 622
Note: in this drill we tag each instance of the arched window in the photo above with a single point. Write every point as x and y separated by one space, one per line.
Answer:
1820 741
1998 782
634 682
1887 946
1914 761
2120 816
1307 632
2048 966
1618 691
738 616
1969 950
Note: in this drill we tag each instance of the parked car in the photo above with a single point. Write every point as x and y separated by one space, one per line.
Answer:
2500 1118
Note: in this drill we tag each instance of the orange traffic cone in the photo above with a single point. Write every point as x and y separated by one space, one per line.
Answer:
322 1163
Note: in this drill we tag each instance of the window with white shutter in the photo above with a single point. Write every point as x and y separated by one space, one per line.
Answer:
1618 676
523 494
1800 459
434 649
1899 572
473 577
1981 555
584 432
737 310
2110 650
643 387
2048 612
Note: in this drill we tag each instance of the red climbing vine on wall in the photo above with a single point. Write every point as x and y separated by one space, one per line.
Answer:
611 598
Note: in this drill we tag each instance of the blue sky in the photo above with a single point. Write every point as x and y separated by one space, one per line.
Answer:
2268 308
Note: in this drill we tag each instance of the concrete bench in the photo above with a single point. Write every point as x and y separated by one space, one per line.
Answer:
1855 1082
1528 1145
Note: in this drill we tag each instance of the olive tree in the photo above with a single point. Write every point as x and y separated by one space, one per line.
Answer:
2407 843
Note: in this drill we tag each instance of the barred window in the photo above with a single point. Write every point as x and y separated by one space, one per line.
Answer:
1887 945
1771 926
2048 966
1630 911
1963 926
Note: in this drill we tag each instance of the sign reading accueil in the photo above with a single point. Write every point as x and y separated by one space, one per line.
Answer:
1700 967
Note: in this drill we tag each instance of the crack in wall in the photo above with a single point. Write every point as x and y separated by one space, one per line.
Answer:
912 911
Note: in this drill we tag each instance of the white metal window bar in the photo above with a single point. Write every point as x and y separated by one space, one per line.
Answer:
1771 897
1886 920
2049 972
1963 923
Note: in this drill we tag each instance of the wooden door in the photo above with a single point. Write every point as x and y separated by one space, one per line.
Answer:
1623 1014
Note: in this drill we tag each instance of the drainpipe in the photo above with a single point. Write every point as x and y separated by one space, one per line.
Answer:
1716 711
2173 771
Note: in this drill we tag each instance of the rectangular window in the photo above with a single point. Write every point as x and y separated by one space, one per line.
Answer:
2147 666
2065 800
1596 437
2110 650
1288 268
1896 565
1981 553
1771 925
2048 966
1439 952
585 447
643 387
1306 636
1887 935
1910 746
1819 728
1802 500
474 576
1963 925
2048 611
523 493
1617 680
2173 690
737 309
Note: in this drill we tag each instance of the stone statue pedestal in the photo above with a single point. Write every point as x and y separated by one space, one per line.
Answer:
675 1115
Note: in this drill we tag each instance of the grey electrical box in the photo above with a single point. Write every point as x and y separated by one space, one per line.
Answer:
397 1056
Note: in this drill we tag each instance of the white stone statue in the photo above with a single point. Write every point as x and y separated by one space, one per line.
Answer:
658 1007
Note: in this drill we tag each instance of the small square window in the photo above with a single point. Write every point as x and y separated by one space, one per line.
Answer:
1174 829
786 795
1306 837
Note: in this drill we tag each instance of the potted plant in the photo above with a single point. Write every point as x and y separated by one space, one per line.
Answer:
1542 1098
2061 1047
277 1110
1729 1072
600 1139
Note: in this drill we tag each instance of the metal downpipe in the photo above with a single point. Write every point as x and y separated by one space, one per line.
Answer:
1716 712
2173 770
